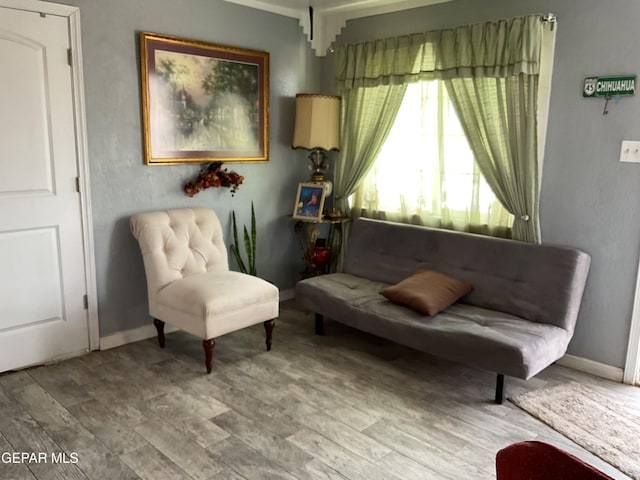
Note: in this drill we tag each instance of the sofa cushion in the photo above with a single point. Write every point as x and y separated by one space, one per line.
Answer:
427 291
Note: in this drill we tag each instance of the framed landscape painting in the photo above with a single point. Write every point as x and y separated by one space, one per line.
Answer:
203 102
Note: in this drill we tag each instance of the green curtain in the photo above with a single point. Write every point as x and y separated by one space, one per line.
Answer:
494 49
498 116
367 116
491 72
371 96
497 108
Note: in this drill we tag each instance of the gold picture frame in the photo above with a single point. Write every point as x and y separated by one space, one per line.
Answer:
203 102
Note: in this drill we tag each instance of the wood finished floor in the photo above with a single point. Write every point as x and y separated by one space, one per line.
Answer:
343 406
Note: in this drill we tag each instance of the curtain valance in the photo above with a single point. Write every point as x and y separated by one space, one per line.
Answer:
496 49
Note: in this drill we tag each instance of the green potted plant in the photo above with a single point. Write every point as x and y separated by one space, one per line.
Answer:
249 245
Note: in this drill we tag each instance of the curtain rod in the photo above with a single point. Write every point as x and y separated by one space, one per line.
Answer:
551 18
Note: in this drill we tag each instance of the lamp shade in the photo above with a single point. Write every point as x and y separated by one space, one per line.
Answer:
317 122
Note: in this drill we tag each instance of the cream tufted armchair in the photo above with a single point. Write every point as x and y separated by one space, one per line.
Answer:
189 282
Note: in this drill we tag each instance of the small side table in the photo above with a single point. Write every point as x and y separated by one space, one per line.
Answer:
308 232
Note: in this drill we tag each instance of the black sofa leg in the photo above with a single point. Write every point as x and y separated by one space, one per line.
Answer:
319 324
500 389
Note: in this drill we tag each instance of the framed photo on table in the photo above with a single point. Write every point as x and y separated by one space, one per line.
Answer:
202 102
309 201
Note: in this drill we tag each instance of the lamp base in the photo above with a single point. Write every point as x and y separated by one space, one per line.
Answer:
317 177
319 164
327 184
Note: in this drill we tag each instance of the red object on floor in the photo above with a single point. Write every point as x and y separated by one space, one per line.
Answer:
533 460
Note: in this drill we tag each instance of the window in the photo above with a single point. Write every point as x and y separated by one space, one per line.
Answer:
425 172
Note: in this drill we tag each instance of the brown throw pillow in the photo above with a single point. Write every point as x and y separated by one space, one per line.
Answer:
427 291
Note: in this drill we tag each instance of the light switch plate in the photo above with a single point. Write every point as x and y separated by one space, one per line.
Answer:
630 151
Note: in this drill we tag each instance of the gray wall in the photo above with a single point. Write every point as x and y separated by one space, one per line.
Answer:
589 199
120 182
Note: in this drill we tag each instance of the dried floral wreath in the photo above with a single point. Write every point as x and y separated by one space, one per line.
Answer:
214 176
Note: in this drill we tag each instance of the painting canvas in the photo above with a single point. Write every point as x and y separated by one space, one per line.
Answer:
309 201
203 102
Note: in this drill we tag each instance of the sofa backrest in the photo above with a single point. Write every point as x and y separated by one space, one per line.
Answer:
541 283
179 243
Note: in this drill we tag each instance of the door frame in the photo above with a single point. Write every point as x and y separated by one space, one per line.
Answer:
79 117
632 364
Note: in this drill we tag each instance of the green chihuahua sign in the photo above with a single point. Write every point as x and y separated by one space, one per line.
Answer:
609 86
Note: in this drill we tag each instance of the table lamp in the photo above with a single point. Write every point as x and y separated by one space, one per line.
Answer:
317 129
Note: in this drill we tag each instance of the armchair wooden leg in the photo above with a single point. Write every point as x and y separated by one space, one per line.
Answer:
160 328
268 327
208 353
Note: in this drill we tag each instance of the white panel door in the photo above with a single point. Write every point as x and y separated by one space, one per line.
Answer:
42 275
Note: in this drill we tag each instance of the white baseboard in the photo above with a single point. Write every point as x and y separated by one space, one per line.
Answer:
148 331
133 335
594 368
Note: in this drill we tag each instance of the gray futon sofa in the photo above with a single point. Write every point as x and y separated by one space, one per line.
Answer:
518 319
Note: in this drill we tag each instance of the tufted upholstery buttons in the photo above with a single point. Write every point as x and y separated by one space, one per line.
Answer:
189 241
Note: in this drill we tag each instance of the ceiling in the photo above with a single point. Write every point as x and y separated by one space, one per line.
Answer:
330 16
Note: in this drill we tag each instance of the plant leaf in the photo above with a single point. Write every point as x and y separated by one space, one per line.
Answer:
238 258
234 246
249 244
247 247
235 229
253 239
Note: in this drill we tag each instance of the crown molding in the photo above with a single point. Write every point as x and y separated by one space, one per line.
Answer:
330 16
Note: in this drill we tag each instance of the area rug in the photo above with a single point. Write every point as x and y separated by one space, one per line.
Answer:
608 430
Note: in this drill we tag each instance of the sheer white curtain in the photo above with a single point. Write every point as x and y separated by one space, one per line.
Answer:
412 183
